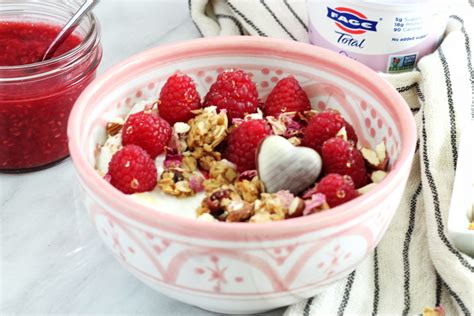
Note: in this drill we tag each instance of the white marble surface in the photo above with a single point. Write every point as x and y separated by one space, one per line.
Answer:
52 260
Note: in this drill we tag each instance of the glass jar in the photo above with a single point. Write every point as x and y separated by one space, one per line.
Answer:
36 98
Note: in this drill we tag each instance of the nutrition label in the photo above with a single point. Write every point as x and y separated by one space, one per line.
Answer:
411 25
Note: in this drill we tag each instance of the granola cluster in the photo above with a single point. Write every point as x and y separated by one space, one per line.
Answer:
194 163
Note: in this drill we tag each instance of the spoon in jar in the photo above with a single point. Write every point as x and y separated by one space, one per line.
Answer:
69 28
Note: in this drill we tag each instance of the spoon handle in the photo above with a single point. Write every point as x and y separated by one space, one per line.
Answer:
69 28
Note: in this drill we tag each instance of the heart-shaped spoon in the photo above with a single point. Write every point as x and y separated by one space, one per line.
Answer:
282 166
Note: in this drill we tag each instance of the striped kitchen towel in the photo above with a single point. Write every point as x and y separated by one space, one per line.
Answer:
416 264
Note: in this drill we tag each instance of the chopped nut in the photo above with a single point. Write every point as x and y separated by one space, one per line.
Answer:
342 133
260 217
239 211
295 141
381 151
278 127
114 126
378 176
271 204
367 188
377 158
296 208
370 156
181 128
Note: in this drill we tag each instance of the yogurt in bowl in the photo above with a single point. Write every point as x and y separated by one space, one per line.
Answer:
259 266
388 36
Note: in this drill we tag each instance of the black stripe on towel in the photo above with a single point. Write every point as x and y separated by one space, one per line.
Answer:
191 13
407 88
295 15
259 32
456 297
439 290
307 307
347 294
434 193
375 306
467 44
420 94
233 19
406 248
276 19
452 115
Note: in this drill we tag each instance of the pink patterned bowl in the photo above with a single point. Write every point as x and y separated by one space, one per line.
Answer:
241 267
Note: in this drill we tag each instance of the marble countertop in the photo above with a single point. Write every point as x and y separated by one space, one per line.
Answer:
52 260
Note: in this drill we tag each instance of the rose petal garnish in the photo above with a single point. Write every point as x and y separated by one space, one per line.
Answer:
196 183
285 197
248 175
173 160
311 206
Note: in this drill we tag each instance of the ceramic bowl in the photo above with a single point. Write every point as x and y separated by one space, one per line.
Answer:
242 267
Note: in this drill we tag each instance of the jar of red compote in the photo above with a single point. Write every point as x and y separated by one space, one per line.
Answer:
36 96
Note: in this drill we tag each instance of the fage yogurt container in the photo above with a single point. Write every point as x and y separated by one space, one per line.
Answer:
388 36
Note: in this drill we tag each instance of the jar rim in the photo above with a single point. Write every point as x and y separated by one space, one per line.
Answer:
89 39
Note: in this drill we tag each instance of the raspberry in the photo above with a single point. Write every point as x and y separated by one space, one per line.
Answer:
178 98
323 126
147 130
340 156
235 92
132 170
337 189
243 142
286 96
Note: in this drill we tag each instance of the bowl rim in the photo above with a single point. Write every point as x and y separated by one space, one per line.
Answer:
218 230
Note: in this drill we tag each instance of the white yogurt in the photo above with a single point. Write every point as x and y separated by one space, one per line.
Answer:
386 35
185 207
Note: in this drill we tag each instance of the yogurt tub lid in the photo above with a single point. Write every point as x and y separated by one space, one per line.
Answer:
401 5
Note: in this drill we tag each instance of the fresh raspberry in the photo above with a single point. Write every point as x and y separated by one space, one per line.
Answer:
323 126
286 96
342 157
178 98
235 92
337 189
243 142
132 170
147 130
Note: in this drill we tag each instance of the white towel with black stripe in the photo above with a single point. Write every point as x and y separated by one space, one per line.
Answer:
415 265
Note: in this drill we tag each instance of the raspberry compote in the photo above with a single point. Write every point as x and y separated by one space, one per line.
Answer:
36 97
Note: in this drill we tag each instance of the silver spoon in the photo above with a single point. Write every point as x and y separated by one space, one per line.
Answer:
69 28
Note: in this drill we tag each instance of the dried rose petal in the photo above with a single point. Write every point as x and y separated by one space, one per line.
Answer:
173 160
286 197
196 183
293 128
247 175
316 201
309 193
